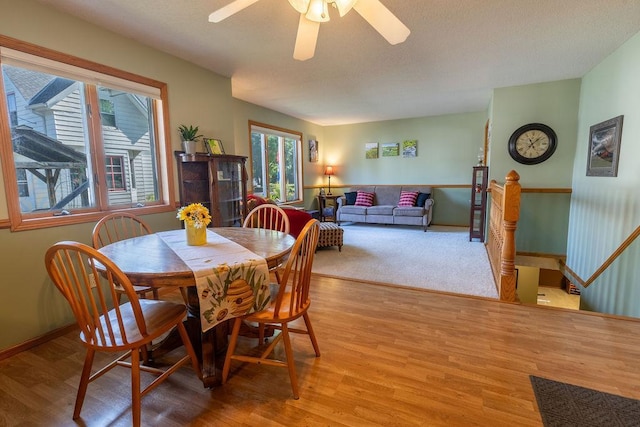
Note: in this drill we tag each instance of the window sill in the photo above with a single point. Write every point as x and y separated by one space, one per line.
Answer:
77 218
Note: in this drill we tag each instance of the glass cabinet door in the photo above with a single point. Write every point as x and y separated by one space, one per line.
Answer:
478 203
216 181
230 189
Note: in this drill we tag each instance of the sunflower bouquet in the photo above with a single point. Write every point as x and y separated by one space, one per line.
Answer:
194 215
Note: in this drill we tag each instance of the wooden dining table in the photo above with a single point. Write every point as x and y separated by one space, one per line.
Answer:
149 261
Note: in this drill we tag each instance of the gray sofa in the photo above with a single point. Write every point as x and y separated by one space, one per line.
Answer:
385 209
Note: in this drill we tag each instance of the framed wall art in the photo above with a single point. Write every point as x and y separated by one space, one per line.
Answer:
604 148
371 150
390 149
410 148
313 150
214 146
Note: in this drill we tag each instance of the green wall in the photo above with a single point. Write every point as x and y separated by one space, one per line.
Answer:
543 216
447 150
554 104
606 210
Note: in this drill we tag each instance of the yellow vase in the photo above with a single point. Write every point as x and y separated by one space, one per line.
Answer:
196 236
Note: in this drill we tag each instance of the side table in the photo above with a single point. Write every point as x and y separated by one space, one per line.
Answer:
327 206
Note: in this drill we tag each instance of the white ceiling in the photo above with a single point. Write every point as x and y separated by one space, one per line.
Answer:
457 52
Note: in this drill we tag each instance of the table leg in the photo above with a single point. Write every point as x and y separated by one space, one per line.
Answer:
207 345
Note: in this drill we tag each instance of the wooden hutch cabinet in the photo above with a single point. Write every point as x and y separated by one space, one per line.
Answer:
219 182
478 203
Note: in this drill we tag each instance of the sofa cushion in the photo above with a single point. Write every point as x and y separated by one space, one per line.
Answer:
408 198
351 197
408 211
353 210
364 199
380 210
421 199
387 195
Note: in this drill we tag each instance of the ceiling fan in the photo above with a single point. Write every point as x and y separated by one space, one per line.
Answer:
314 12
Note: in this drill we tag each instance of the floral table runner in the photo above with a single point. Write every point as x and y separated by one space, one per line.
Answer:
231 280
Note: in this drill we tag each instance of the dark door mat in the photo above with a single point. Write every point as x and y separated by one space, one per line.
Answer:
563 404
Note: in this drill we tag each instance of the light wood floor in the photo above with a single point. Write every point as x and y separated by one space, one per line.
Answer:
390 357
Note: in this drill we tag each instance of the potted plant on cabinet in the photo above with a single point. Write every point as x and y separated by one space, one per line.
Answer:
189 136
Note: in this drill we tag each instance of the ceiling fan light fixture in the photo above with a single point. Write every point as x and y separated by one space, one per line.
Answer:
344 6
318 11
302 6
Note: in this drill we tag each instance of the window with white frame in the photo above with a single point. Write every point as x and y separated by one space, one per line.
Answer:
13 109
276 163
107 112
23 185
66 159
115 173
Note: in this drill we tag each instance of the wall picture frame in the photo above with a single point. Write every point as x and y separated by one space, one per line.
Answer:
604 148
410 148
313 151
390 149
214 146
371 150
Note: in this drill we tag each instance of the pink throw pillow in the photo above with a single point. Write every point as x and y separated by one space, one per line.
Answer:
408 198
364 199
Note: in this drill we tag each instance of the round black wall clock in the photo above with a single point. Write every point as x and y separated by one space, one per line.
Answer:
532 144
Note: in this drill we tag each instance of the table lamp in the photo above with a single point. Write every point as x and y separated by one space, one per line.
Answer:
328 170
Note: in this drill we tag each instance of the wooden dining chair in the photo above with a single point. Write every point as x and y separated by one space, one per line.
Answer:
291 303
119 226
270 217
87 279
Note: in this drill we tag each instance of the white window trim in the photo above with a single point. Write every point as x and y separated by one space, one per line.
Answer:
283 133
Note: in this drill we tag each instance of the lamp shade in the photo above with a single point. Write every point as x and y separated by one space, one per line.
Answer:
329 170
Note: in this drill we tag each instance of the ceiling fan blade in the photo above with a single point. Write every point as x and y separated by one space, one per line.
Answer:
382 20
228 10
306 39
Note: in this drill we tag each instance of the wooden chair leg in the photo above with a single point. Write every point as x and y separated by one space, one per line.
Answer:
291 363
154 291
233 341
135 388
314 341
84 382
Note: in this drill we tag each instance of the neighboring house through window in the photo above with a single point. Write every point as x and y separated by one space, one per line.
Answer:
52 152
276 162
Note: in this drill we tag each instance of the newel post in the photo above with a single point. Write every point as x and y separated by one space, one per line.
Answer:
510 216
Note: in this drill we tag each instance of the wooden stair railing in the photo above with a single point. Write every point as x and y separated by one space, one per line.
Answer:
501 243
572 276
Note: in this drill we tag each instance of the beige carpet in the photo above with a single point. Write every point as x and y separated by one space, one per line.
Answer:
441 259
